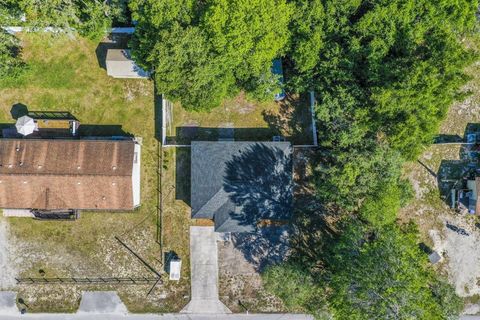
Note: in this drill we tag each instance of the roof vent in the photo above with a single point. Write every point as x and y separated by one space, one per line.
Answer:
39 166
10 165
17 149
114 168
79 182
104 198
114 183
78 167
20 163
24 182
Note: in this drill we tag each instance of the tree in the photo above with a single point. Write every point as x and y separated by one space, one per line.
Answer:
190 74
10 61
399 72
296 287
382 274
235 41
346 176
307 40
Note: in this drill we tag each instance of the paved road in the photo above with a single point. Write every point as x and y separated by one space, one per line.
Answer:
106 305
204 272
172 316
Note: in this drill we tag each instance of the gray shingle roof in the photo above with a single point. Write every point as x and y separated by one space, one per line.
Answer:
239 183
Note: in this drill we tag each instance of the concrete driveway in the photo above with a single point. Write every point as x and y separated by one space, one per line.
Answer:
204 273
8 269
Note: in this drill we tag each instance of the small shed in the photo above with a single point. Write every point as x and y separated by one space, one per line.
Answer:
434 257
121 65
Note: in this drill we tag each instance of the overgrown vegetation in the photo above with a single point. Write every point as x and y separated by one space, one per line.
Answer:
11 64
205 51
384 82
89 18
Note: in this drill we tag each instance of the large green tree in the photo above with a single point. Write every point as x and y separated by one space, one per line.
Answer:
219 47
382 274
394 66
368 273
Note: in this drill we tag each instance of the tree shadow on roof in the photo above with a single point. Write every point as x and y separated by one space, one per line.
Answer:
259 183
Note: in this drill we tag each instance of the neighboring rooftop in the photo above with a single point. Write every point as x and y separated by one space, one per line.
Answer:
237 184
69 174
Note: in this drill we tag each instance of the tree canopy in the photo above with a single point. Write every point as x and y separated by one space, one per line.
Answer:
204 52
385 74
382 274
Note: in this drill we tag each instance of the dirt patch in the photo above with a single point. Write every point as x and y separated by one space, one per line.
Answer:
240 283
461 252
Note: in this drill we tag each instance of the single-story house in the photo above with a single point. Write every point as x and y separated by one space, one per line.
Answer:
59 174
241 185
120 64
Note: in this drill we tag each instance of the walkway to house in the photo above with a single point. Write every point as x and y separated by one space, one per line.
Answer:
204 273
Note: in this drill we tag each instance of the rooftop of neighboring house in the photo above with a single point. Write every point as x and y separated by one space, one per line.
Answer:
239 184
52 174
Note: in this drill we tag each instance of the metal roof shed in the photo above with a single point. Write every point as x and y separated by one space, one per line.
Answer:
120 65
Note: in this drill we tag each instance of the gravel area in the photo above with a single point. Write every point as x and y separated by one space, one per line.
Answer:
461 253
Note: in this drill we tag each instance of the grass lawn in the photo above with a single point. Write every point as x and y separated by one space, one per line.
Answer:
253 121
64 75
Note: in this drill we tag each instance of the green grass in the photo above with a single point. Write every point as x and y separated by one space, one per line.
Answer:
253 121
64 75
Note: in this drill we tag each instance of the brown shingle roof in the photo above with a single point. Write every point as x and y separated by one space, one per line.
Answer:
66 174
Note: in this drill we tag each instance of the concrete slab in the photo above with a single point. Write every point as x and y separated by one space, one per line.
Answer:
101 302
204 272
8 303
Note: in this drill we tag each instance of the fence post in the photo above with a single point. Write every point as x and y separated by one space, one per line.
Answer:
314 124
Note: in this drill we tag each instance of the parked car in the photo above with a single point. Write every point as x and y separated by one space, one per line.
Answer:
277 70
